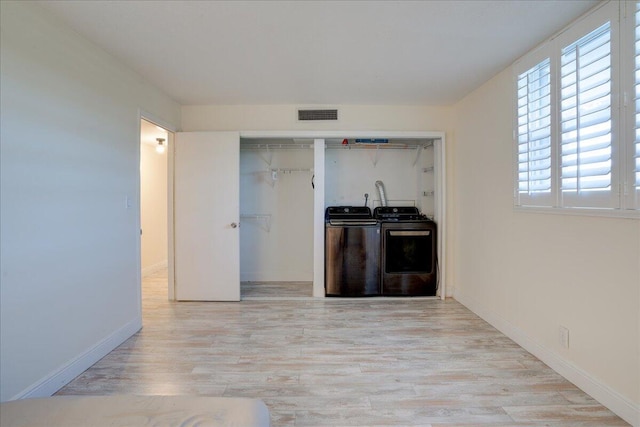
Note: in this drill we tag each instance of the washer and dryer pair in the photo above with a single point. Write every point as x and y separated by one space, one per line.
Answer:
389 253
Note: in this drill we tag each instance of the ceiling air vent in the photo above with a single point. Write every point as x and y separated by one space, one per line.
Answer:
317 114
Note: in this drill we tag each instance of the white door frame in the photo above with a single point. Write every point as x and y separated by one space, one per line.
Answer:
171 129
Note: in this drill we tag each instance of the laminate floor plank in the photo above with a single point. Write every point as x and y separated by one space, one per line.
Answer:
339 362
275 290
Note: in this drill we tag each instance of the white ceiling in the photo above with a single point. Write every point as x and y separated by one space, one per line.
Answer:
318 52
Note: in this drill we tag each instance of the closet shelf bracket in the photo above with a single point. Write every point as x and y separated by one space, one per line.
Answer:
418 152
377 156
268 157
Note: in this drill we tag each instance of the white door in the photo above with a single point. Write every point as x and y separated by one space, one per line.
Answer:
207 200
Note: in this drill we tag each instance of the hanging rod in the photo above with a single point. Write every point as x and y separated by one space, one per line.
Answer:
371 146
275 146
392 146
289 170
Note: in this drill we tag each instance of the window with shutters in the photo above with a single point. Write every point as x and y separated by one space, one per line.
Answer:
534 133
632 187
586 121
573 147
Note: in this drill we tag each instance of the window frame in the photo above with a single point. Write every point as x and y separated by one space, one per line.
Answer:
617 202
631 193
533 59
593 21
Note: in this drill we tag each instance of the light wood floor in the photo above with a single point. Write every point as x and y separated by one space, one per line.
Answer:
341 362
275 290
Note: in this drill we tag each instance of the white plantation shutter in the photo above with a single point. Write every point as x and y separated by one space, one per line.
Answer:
636 146
577 117
586 120
534 133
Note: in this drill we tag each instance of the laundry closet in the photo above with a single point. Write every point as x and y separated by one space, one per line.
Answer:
277 181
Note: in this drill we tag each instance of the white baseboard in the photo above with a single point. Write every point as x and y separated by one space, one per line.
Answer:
53 382
618 404
147 271
275 277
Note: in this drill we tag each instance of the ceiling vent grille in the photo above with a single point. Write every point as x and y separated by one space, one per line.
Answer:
317 115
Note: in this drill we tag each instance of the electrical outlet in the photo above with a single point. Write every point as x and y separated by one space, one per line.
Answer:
563 335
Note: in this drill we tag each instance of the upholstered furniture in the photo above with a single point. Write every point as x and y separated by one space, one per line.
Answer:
130 411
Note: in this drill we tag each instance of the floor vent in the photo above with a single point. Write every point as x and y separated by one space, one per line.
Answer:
317 114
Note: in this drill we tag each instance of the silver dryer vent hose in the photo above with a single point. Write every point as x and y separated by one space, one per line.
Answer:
383 197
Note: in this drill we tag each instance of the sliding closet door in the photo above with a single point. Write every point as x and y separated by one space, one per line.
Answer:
207 188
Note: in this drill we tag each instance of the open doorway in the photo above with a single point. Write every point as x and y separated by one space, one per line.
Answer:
154 239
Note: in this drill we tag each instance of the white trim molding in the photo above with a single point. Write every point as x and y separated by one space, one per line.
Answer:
53 382
620 405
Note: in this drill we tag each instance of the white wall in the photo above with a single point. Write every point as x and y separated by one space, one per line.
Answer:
69 290
350 173
528 273
153 208
351 118
284 118
282 248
